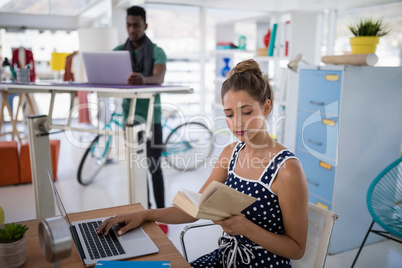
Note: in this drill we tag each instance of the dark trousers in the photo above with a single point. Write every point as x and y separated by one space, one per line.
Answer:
154 154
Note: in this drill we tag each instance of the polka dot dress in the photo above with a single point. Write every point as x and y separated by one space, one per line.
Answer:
238 251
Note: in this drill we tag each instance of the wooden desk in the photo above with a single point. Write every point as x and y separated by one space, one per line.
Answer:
167 251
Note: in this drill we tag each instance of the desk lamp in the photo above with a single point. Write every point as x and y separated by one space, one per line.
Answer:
55 239
294 64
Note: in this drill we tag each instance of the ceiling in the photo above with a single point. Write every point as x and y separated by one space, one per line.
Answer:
280 5
73 14
75 7
50 7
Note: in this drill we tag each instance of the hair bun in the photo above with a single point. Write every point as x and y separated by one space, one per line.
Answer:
247 66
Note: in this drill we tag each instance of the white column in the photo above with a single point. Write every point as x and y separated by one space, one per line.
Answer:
332 19
119 22
136 152
39 151
202 58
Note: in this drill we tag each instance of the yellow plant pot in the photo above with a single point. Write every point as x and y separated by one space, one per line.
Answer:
364 44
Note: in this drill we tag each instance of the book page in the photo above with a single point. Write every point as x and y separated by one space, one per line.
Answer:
181 201
210 190
226 202
217 202
193 196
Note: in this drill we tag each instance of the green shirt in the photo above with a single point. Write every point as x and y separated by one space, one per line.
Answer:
141 109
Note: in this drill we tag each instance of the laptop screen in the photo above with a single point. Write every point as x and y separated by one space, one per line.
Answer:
58 199
107 68
134 243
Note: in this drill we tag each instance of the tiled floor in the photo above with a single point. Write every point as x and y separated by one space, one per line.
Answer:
110 189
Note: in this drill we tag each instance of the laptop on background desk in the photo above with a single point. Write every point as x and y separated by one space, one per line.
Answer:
107 68
132 244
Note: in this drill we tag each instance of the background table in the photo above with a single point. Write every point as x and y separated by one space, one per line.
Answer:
39 128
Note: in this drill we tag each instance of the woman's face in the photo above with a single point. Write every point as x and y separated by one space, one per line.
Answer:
245 116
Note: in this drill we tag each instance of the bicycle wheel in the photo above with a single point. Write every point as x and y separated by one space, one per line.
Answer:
188 146
95 157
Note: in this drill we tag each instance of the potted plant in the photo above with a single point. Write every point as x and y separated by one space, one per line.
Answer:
367 35
12 245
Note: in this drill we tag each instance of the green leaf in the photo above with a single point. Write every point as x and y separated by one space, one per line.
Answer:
369 27
12 232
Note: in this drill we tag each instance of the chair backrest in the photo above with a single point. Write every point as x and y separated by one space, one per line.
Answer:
320 224
384 198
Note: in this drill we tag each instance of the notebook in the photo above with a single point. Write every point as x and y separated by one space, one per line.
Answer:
107 68
134 243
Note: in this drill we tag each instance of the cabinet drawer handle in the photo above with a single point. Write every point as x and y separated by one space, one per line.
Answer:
315 142
325 165
317 103
313 183
328 122
332 77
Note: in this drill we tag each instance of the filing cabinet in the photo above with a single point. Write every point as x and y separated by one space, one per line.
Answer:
349 128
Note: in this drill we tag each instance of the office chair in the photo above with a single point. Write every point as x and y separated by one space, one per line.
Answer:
384 202
188 228
320 224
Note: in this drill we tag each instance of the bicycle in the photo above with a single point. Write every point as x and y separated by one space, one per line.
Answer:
186 148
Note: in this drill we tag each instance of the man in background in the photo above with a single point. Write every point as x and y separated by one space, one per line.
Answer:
149 67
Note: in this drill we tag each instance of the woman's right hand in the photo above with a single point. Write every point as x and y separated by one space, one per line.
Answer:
128 221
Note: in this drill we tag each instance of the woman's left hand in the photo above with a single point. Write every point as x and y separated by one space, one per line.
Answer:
235 225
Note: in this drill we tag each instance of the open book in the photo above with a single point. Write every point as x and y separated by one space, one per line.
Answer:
217 202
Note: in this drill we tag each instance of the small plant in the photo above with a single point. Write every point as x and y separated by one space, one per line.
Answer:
370 27
12 232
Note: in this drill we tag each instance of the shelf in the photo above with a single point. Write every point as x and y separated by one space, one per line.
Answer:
290 33
269 58
220 79
231 51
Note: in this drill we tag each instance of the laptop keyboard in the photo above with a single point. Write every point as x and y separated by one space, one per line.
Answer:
100 246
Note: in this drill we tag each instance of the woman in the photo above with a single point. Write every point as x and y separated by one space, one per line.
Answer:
271 231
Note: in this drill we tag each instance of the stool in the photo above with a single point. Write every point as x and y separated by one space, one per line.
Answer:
9 163
25 160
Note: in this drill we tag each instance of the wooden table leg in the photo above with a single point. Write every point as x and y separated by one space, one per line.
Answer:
13 119
3 100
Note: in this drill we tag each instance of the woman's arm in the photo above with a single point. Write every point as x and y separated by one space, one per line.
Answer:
135 219
170 215
291 188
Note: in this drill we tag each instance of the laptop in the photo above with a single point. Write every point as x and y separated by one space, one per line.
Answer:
107 68
93 247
